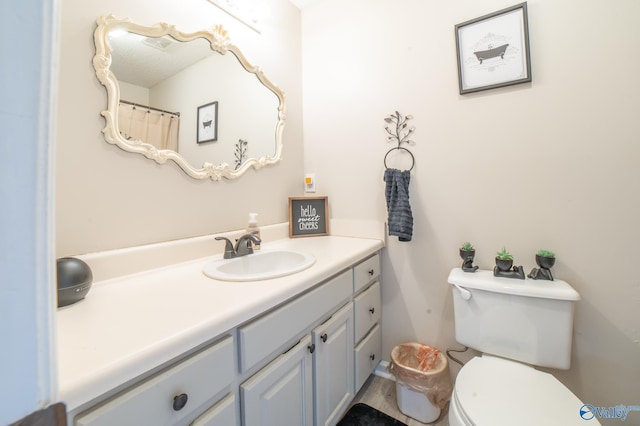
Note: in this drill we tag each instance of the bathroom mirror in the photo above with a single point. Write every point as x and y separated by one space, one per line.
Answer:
192 98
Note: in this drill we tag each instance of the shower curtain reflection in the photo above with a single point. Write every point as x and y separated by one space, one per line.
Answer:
157 128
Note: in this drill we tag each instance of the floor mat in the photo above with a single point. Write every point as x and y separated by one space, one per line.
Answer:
363 415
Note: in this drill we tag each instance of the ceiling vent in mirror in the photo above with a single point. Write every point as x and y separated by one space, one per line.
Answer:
160 43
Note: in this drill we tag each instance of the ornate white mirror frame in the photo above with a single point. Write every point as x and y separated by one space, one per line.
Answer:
220 43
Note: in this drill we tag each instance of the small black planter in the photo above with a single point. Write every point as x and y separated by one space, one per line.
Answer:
545 264
505 268
504 265
467 260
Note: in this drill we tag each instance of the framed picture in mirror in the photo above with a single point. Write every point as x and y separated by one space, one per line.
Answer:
208 122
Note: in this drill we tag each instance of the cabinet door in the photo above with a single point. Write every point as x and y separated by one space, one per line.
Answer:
333 366
281 394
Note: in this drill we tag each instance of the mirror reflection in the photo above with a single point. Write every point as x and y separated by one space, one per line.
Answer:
192 98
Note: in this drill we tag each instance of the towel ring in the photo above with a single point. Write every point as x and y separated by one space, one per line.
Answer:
413 159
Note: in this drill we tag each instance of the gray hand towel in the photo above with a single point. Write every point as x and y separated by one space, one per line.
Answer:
400 220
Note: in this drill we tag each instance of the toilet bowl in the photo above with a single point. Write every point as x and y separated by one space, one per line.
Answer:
494 391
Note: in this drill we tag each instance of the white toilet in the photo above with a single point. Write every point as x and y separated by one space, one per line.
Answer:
516 324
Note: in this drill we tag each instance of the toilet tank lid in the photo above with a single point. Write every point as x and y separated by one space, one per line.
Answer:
485 280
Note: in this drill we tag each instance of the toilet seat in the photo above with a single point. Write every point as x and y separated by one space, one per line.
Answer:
491 391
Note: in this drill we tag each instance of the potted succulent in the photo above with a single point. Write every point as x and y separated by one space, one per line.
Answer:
467 253
504 260
545 260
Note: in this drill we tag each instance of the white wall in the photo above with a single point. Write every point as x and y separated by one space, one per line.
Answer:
107 198
238 94
27 84
560 172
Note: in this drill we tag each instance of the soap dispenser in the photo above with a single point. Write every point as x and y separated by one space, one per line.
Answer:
253 228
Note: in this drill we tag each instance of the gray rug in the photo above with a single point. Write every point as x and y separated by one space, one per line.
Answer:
363 415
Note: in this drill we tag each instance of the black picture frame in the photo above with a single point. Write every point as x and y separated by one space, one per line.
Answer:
308 216
493 50
207 123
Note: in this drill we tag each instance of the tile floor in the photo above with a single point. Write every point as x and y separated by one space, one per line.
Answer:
380 393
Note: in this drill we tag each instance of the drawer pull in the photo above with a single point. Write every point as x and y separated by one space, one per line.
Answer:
372 310
371 272
179 401
372 357
312 348
324 337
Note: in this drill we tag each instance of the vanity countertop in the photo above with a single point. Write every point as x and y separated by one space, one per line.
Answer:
131 324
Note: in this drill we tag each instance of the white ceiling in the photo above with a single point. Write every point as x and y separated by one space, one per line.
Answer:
140 61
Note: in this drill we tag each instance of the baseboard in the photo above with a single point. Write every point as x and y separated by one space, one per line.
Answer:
381 371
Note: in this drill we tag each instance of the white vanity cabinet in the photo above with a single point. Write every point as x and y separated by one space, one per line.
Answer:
172 397
299 363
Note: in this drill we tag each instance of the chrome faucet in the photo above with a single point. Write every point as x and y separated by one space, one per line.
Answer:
243 245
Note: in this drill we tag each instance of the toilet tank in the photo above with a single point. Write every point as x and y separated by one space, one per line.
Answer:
524 320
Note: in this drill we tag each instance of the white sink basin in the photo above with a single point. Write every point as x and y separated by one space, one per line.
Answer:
261 265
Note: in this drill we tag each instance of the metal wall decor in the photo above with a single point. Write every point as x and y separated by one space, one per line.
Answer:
493 50
240 152
399 133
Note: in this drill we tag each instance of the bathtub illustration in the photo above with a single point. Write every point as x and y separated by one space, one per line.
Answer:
492 52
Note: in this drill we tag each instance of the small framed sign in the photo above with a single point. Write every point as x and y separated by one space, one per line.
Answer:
308 216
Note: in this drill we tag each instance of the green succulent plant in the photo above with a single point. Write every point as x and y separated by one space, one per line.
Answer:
546 253
467 246
504 254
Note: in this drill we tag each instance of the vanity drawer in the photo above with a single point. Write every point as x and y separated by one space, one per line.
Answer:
200 377
265 335
366 308
365 272
221 414
367 355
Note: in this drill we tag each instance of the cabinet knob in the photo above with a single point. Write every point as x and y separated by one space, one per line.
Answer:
179 401
372 310
371 272
324 337
312 348
372 357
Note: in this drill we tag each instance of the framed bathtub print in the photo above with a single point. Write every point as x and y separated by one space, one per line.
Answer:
493 50
308 216
208 123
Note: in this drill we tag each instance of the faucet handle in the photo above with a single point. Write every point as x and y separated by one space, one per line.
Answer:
229 252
